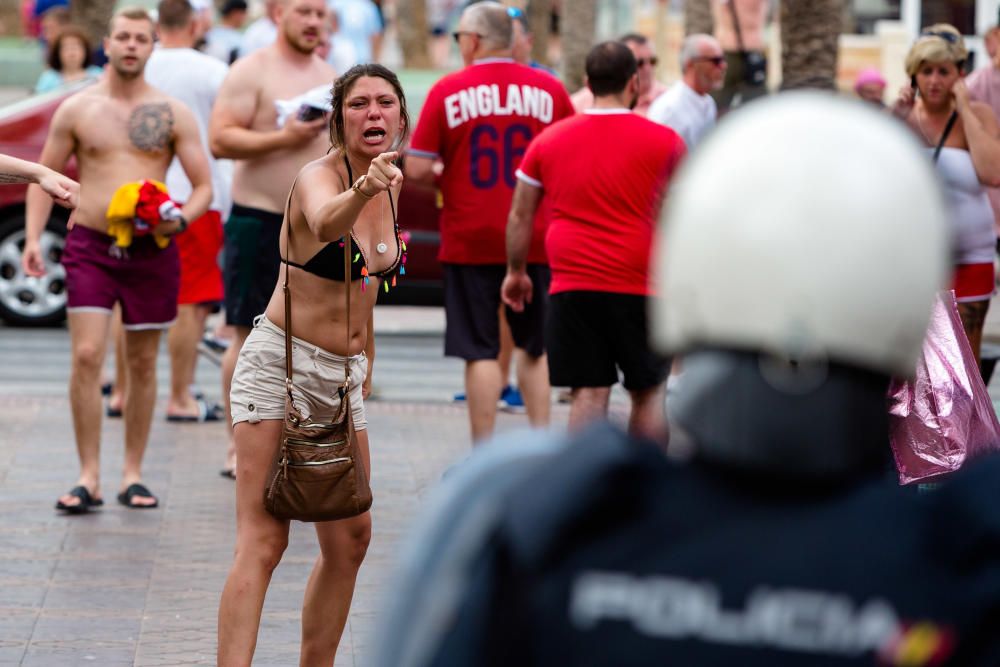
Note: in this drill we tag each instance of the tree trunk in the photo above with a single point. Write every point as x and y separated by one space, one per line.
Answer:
93 16
577 26
539 18
411 26
698 17
809 36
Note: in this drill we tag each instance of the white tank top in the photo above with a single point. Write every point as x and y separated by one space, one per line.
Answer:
973 237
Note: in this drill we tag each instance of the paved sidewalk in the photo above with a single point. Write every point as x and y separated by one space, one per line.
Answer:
130 587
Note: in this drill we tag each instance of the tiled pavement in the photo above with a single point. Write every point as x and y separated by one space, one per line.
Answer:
130 587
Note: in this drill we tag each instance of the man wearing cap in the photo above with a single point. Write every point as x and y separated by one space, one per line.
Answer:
223 40
688 108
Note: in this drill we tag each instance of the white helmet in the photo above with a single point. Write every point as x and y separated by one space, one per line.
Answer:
807 227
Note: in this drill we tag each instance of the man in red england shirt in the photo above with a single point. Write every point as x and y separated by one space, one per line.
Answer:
478 122
601 220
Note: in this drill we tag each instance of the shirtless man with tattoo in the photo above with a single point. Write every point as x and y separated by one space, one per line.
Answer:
244 127
121 130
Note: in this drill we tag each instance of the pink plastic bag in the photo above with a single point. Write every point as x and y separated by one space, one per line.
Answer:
944 415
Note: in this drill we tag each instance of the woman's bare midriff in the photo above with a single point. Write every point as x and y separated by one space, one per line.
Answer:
319 311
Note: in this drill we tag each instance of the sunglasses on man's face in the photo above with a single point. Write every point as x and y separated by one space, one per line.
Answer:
715 60
457 35
641 62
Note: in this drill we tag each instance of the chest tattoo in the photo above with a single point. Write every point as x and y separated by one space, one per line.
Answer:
151 126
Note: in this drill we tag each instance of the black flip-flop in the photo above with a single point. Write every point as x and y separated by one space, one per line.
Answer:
134 491
206 413
87 501
113 412
228 473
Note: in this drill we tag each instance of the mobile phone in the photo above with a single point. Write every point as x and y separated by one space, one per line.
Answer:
913 85
308 112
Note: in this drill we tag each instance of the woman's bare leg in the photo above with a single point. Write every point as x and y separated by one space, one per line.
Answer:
343 545
260 542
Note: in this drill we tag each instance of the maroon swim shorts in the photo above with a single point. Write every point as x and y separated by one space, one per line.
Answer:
142 277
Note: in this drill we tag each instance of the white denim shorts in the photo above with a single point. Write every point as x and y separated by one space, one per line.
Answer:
258 389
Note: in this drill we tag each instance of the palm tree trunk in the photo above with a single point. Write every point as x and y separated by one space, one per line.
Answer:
698 17
93 16
411 24
577 26
539 18
809 36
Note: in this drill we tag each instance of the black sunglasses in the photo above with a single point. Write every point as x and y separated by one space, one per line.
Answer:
458 34
715 60
642 61
949 37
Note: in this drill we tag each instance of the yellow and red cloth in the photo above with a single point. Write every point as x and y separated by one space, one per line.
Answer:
136 209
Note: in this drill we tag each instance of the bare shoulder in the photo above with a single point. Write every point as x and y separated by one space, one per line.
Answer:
252 69
327 171
87 98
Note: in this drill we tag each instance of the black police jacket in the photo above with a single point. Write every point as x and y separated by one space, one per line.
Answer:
608 554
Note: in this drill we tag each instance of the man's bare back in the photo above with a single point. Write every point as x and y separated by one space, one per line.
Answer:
752 15
247 99
117 141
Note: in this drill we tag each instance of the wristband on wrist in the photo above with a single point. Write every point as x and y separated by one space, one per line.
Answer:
183 224
357 186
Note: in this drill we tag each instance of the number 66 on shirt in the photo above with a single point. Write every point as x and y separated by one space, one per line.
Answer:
479 122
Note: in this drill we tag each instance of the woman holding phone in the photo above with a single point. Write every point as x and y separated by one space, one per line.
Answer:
961 135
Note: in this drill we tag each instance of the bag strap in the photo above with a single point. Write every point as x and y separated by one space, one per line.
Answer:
288 298
736 24
944 135
287 292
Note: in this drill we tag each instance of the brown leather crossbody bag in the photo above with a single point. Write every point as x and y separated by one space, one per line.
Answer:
318 473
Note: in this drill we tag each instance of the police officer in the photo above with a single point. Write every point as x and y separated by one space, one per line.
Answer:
797 268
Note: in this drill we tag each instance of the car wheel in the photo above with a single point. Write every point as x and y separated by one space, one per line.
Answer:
26 300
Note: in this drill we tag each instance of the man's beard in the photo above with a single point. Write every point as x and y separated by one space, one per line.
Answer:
126 73
296 42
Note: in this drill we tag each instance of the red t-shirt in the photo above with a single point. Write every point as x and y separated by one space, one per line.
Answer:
479 121
603 174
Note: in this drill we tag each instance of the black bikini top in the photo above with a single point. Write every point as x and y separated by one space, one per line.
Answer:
329 261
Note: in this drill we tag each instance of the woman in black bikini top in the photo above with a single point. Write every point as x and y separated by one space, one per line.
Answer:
329 212
329 261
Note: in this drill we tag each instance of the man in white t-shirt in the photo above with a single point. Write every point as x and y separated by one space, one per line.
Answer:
687 107
194 78
263 31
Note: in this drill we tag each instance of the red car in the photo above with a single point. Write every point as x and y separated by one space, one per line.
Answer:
42 301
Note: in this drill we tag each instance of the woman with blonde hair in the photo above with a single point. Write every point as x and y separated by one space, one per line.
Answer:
963 136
